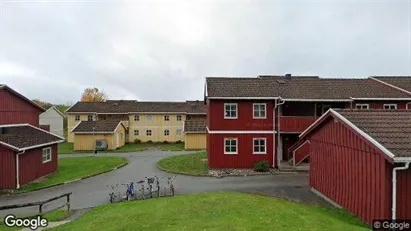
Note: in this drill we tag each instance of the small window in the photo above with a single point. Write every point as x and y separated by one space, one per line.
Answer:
90 118
136 132
46 155
166 118
178 117
148 132
259 146
259 111
178 132
77 118
390 106
149 118
136 118
362 106
166 132
230 146
230 111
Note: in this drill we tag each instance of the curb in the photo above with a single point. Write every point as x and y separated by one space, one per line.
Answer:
181 173
72 181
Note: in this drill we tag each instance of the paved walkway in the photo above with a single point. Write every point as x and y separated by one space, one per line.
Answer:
93 191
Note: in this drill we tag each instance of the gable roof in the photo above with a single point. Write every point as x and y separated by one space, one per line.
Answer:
303 87
55 109
133 106
7 88
101 126
388 130
20 137
195 126
399 82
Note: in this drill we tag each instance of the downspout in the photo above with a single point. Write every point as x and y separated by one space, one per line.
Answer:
394 188
17 169
278 129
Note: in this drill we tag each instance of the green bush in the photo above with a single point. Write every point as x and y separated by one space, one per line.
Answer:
262 166
179 142
149 142
137 141
165 142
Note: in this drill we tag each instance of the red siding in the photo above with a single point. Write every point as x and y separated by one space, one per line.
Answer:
31 166
244 119
349 171
7 169
295 123
380 104
14 110
245 157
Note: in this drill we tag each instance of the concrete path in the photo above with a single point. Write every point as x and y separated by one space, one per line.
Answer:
94 191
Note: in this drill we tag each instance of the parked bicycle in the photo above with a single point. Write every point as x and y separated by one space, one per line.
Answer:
142 188
129 191
112 195
171 185
158 184
150 182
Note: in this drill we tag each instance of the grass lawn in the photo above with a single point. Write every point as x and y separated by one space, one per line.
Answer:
74 168
191 164
57 215
171 147
214 211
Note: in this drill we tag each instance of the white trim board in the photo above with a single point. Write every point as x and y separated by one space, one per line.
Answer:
241 131
390 85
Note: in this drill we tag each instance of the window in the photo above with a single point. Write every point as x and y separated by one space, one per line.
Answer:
166 118
230 111
148 132
136 118
46 155
149 118
259 111
178 132
178 117
230 146
136 132
259 146
77 117
166 132
90 118
390 106
362 106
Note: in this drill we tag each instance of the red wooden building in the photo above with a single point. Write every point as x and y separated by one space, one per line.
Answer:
259 118
27 152
360 160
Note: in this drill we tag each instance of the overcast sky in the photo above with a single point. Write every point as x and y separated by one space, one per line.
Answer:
52 50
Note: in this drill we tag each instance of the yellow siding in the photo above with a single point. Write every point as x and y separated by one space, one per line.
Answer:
87 141
195 141
71 123
121 134
157 125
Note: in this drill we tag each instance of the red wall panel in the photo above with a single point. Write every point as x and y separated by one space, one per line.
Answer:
380 104
295 123
350 171
14 110
31 166
7 169
245 157
244 119
403 194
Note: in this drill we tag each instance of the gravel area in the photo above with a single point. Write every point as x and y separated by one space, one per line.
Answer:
239 172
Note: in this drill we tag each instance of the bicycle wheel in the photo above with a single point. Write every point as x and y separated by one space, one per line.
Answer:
111 198
172 190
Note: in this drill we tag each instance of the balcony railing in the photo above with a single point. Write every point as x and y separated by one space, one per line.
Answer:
295 124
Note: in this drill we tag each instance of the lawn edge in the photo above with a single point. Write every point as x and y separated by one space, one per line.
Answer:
76 180
181 173
91 152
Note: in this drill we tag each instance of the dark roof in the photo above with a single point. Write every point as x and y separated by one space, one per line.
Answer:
304 87
127 106
195 126
5 87
26 136
101 126
392 129
403 82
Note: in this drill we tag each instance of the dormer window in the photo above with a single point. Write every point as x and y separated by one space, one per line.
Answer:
230 111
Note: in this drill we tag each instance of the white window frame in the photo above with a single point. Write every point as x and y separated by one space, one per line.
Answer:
166 132
149 118
179 118
136 132
389 105
77 116
265 111
136 117
362 105
236 146
50 154
149 131
92 117
179 132
166 118
236 110
265 146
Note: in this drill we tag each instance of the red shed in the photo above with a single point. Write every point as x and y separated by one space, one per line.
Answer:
360 160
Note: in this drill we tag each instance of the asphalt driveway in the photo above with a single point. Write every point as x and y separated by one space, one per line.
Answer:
94 191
